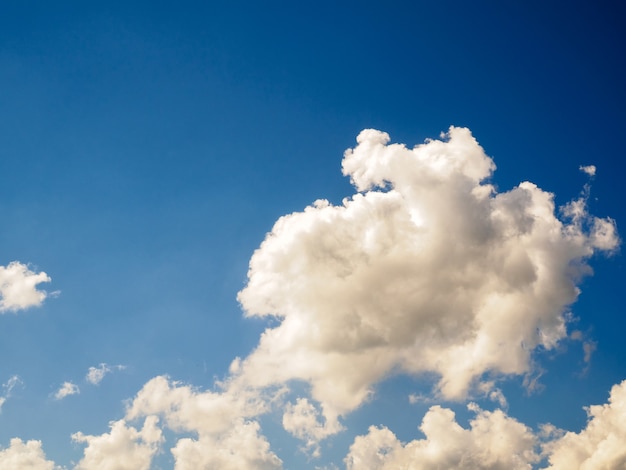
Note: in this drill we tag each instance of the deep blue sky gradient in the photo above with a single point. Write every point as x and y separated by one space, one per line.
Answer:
147 147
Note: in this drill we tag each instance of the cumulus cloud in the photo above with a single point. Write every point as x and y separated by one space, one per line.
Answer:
22 454
186 409
240 448
493 441
123 448
96 374
600 444
588 169
18 287
67 389
427 268
227 437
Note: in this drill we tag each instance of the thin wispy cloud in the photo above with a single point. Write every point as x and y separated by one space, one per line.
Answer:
7 388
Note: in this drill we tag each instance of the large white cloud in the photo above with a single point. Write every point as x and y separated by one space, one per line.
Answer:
494 441
18 287
426 269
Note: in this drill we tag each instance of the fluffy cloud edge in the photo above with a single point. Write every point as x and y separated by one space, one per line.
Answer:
495 440
27 454
18 287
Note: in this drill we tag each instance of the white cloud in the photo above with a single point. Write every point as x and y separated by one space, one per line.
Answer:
18 287
493 393
123 448
589 169
227 439
22 454
426 269
185 409
497 441
601 444
493 441
8 387
67 389
239 448
96 374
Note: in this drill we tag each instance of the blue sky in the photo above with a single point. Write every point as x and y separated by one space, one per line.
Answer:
147 148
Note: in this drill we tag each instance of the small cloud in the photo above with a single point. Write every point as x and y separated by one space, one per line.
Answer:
18 287
493 393
589 347
589 169
96 374
8 388
415 398
11 384
497 396
576 335
67 389
531 380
